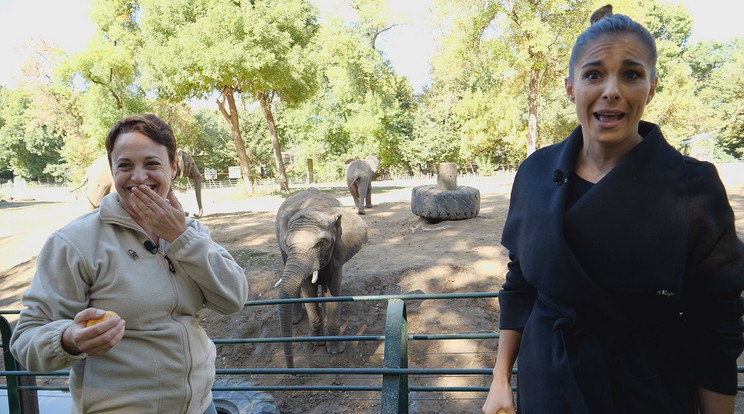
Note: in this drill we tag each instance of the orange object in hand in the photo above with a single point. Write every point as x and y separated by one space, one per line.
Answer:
108 315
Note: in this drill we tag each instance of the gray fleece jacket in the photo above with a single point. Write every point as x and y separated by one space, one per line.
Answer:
165 363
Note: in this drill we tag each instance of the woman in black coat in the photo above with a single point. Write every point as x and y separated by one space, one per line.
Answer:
625 276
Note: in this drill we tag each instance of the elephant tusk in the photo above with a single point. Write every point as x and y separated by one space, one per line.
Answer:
278 282
315 277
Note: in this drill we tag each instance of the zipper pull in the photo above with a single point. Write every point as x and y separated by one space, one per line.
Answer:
170 264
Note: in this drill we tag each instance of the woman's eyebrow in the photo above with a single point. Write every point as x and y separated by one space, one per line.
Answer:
592 63
626 62
632 62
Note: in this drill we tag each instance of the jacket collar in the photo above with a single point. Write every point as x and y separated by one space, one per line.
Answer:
629 230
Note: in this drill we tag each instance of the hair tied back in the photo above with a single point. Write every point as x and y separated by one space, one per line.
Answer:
601 13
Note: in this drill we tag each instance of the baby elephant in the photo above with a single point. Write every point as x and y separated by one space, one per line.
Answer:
359 176
316 235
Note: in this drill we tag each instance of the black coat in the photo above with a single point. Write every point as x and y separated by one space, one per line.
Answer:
630 298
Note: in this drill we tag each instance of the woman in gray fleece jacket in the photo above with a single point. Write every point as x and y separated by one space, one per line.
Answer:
139 256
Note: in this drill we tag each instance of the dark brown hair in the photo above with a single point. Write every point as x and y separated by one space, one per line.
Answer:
148 125
604 23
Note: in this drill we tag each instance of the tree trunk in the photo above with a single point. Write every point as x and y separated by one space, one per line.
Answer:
533 104
232 119
263 99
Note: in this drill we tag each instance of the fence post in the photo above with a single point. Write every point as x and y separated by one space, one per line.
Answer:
395 386
14 400
18 401
309 171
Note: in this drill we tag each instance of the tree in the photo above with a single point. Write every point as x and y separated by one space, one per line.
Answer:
261 48
106 72
675 107
726 97
58 108
361 107
26 147
497 64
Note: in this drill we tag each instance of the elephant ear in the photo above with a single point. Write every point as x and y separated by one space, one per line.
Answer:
282 224
373 162
352 234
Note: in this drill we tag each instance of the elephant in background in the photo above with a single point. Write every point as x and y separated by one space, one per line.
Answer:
359 176
316 235
187 168
98 181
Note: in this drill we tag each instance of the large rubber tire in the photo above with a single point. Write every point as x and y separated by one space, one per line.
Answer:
436 205
242 402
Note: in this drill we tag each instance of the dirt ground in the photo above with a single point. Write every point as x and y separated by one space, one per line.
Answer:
404 255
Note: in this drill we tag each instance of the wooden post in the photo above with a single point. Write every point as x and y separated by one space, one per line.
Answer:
447 177
309 171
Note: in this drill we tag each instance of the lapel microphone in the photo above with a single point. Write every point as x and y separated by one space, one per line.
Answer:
559 178
151 247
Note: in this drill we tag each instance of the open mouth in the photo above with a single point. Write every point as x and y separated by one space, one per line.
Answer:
609 116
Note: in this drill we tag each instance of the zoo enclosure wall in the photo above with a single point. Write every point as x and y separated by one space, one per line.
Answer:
395 379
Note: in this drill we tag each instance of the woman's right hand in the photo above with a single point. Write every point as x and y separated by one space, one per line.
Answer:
93 340
500 399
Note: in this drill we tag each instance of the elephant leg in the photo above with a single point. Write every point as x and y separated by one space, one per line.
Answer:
354 188
333 314
369 196
197 190
314 315
362 193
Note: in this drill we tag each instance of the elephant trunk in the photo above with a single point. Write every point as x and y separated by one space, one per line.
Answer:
289 287
197 189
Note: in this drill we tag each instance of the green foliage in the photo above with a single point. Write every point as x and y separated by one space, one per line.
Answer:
434 139
498 63
196 47
705 58
332 93
27 148
726 98
362 108
258 141
671 26
106 71
262 49
212 147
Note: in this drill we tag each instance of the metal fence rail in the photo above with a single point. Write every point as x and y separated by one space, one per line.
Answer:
393 391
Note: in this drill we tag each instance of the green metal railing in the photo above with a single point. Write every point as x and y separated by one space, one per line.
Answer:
395 373
14 399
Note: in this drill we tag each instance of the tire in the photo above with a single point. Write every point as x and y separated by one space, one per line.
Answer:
242 402
436 205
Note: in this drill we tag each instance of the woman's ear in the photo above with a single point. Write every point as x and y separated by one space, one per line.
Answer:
569 89
652 90
174 170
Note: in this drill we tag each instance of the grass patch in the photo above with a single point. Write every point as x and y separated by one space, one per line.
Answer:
246 257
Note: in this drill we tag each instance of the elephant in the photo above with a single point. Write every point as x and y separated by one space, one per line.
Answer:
316 236
100 182
187 168
359 176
